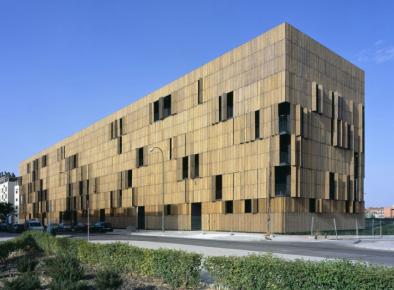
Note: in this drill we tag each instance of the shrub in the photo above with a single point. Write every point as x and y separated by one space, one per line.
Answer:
27 281
267 272
108 279
177 268
26 264
65 270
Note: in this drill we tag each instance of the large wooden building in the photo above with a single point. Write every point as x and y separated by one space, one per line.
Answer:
267 137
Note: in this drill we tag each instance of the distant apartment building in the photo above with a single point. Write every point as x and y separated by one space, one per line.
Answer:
8 185
380 212
268 137
389 212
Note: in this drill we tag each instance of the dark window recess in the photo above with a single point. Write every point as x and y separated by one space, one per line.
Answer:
170 148
121 127
230 105
72 162
28 167
120 196
284 117
282 180
119 145
257 124
347 206
220 108
332 185
44 161
156 111
129 178
248 205
167 209
356 160
167 106
199 93
312 205
140 157
196 165
218 187
284 149
185 167
80 187
229 206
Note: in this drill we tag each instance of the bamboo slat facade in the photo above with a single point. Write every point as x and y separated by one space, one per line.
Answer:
273 128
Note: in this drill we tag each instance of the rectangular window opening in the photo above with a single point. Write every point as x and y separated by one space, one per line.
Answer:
257 124
230 105
167 106
228 206
185 167
218 187
248 205
312 205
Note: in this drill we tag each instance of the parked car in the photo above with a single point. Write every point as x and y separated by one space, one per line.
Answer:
3 227
80 227
17 228
34 225
102 227
64 227
52 229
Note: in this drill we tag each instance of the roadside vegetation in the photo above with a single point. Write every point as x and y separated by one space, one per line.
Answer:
37 260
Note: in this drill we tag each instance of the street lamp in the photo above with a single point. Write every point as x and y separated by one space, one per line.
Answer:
162 183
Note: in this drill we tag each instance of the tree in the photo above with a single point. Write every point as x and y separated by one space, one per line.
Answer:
6 209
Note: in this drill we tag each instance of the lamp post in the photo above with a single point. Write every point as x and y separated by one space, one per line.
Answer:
162 183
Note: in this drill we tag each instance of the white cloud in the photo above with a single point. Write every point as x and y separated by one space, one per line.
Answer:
379 53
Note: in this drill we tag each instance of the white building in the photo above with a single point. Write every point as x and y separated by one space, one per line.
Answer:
7 193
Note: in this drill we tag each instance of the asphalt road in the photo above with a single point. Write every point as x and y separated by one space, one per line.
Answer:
331 249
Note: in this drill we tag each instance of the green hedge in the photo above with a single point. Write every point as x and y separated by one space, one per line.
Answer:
177 268
181 269
267 272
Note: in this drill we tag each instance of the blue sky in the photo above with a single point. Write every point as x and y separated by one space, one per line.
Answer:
66 64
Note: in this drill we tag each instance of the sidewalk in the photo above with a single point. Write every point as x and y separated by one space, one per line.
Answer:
244 237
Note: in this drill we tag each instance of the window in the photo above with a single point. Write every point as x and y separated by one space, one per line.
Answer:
332 186
220 109
248 205
170 148
196 165
284 149
129 178
72 162
167 209
226 104
282 180
312 205
167 106
228 206
140 157
162 108
218 187
257 124
185 167
44 161
119 145
230 105
156 111
200 90
28 168
284 117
